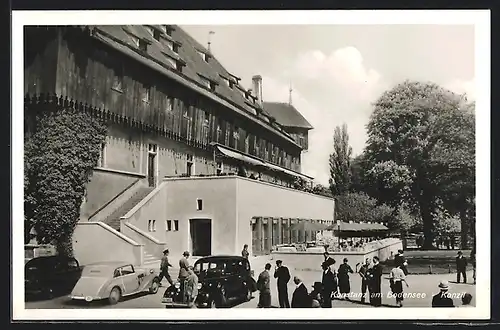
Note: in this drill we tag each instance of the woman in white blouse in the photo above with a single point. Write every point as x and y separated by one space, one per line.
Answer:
397 278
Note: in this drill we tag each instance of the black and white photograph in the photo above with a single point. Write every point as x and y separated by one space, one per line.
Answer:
167 163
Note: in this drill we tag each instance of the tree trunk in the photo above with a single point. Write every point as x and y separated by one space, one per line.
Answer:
464 229
427 223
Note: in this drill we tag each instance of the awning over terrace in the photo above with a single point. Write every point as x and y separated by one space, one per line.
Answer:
354 229
237 155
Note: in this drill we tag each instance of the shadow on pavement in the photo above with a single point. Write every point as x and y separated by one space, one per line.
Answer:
101 303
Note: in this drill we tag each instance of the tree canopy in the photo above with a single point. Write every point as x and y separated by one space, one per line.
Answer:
420 148
339 161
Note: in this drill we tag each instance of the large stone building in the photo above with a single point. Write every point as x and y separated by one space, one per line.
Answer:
186 144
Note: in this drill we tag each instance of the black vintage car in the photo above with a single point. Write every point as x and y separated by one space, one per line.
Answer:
221 279
51 276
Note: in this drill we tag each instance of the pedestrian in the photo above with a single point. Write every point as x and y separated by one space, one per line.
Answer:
400 260
473 262
397 277
466 300
329 285
283 275
300 297
184 266
191 288
164 264
328 260
442 298
244 252
364 272
461 262
316 295
263 285
343 277
375 283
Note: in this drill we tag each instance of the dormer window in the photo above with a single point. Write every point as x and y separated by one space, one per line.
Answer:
143 45
204 56
156 34
168 30
208 83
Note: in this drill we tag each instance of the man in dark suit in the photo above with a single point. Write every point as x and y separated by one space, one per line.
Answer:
164 268
263 285
461 262
329 285
300 297
442 299
375 283
283 275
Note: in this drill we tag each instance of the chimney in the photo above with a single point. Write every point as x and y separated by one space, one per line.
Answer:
257 88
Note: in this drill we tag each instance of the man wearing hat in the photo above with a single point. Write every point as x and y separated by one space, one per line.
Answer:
184 266
164 267
461 262
442 299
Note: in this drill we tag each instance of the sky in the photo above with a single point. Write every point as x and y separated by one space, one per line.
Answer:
338 71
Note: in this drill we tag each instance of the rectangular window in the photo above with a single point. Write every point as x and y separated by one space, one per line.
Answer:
152 148
236 136
206 118
176 225
151 225
118 80
199 204
211 84
102 156
189 165
170 104
168 225
146 92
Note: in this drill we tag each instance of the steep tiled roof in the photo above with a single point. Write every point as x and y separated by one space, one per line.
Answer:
286 115
195 71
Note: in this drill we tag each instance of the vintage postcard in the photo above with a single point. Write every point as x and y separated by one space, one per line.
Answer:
256 162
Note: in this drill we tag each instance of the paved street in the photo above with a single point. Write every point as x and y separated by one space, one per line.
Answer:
425 285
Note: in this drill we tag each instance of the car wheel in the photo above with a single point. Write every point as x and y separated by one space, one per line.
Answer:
115 296
155 285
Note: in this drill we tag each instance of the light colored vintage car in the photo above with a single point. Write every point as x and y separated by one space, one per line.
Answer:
114 280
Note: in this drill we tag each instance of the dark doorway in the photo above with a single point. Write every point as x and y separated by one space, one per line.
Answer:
201 237
151 170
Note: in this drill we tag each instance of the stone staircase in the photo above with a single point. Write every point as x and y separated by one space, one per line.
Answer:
113 220
149 258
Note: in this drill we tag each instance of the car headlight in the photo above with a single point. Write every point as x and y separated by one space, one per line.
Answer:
199 286
177 285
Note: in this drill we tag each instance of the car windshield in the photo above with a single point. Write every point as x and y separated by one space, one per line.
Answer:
97 271
218 267
39 264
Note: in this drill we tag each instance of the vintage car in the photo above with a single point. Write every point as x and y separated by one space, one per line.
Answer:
114 280
221 279
51 276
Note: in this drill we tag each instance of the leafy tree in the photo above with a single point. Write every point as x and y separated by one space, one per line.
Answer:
409 148
319 189
358 207
340 158
60 155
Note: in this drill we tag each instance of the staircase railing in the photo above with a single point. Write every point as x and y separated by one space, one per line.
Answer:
152 245
112 205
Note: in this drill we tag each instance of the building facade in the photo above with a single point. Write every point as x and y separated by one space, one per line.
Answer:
172 110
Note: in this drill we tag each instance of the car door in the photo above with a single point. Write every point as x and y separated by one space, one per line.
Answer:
130 279
73 272
233 285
